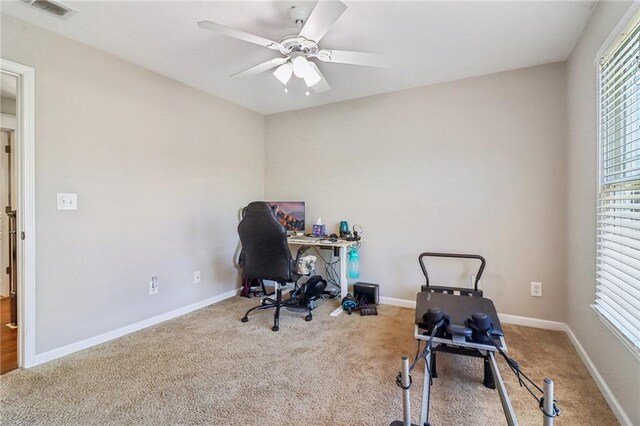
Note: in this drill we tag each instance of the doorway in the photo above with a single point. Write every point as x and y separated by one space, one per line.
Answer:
17 215
8 243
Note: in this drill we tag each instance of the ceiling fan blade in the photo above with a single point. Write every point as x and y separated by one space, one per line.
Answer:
353 58
322 85
323 16
265 66
240 35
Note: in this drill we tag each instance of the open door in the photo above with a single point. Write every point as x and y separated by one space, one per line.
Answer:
17 237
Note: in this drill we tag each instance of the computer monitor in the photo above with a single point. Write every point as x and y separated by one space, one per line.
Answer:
290 214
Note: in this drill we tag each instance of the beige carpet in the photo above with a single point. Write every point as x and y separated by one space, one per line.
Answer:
209 368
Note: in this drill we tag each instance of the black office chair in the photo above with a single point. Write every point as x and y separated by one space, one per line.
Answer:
265 255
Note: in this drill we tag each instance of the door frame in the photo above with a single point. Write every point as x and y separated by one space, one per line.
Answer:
26 217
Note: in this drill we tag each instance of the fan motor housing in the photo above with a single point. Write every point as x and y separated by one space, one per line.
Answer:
298 44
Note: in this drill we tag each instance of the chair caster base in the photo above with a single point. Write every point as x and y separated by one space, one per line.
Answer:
244 319
275 328
308 317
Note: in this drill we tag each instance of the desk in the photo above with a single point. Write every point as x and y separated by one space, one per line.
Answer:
343 247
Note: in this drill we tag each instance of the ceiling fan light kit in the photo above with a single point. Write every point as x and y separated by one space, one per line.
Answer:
300 66
311 78
299 49
283 72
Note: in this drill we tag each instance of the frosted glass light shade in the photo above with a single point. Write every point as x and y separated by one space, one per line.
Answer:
312 77
283 72
301 66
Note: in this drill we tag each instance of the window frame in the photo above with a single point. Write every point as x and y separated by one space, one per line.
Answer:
615 39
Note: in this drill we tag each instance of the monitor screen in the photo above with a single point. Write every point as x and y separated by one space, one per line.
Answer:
290 214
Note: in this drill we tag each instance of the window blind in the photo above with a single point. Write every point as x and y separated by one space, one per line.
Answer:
618 217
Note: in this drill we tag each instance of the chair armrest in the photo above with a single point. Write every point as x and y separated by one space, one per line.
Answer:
300 252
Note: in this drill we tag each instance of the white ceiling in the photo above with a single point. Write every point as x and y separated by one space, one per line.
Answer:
430 42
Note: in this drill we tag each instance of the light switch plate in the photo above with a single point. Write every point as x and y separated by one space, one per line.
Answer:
67 201
153 286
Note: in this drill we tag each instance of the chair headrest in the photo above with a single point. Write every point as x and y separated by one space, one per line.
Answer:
258 207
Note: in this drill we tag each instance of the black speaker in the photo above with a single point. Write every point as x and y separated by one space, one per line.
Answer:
366 293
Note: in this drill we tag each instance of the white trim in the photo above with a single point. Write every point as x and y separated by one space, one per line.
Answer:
532 322
615 406
617 32
505 318
398 302
629 21
630 345
128 329
26 216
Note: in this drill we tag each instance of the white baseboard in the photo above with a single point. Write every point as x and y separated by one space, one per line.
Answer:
398 302
505 318
114 334
532 322
615 406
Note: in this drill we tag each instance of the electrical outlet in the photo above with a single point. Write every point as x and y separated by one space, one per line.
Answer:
536 289
196 277
153 286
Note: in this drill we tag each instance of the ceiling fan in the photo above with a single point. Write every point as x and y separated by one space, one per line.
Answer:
299 45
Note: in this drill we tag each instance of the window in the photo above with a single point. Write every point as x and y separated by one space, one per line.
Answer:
617 297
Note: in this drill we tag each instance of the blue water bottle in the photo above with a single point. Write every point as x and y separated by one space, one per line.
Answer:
354 264
344 229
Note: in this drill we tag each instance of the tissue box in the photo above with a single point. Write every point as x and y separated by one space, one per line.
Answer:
319 230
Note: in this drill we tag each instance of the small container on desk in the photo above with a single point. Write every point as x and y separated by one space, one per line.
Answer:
319 230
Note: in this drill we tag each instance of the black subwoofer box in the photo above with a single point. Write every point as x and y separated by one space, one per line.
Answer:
367 291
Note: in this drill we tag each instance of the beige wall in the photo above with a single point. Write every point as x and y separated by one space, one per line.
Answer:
477 165
472 166
160 170
615 363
